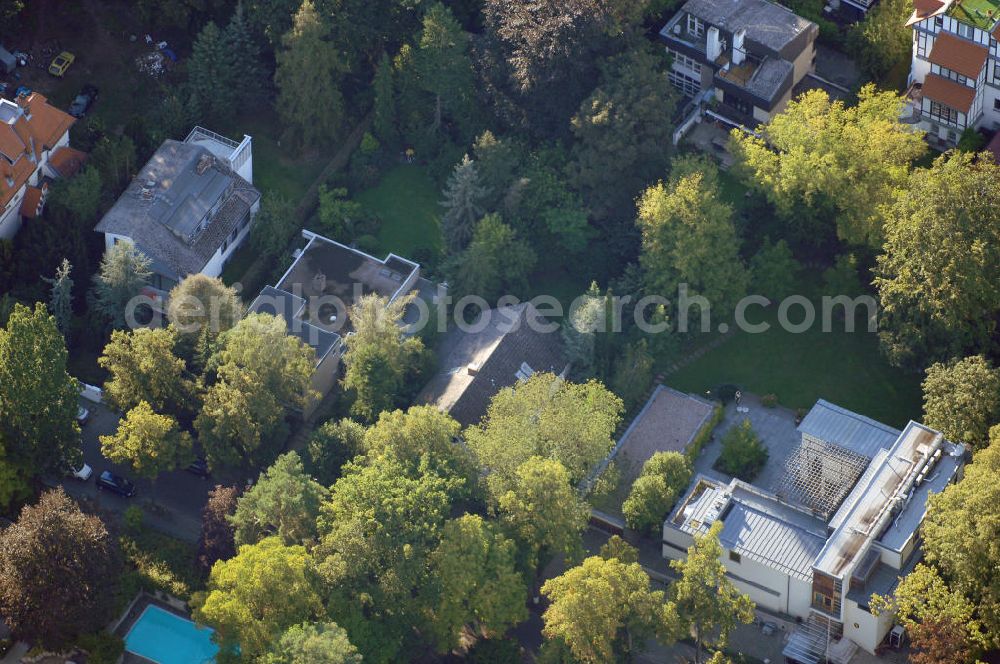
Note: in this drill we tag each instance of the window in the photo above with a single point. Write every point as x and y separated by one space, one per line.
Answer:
966 31
821 600
695 26
942 113
951 75
524 373
686 84
996 104
938 21
685 61
735 557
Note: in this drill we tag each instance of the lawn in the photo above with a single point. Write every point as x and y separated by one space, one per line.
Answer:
408 203
844 368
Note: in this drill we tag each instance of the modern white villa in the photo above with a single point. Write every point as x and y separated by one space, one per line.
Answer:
843 525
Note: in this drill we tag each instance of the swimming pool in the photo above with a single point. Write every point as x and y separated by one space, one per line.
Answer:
166 638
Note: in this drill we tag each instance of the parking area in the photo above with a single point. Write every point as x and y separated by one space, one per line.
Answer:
172 506
107 42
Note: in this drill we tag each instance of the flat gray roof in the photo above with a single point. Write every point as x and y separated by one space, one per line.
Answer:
163 209
833 424
290 307
766 23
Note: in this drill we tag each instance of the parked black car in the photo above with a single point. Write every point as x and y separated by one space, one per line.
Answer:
115 484
83 101
199 467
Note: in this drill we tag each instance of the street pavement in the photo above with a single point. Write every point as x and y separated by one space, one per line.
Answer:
172 506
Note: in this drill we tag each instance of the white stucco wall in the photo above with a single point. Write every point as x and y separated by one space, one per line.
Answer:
870 630
10 221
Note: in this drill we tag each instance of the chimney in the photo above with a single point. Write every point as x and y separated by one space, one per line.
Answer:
713 49
319 282
739 54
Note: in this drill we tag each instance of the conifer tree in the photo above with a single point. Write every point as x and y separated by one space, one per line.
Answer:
463 194
61 298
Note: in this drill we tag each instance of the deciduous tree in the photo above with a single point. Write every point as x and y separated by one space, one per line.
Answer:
148 442
199 302
142 366
275 225
773 270
549 417
314 643
688 238
621 130
962 399
285 502
497 262
52 561
543 512
217 541
604 610
934 277
664 476
473 582
823 159
252 599
883 42
708 604
331 446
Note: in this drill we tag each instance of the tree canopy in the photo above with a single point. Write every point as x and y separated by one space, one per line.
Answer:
934 276
962 399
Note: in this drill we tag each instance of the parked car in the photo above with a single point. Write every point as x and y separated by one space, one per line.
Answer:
82 473
199 467
82 415
61 63
83 101
115 484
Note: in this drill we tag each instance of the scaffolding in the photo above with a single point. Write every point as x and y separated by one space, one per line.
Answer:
819 475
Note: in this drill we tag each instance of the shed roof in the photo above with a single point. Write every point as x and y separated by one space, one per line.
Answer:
833 424
951 94
959 55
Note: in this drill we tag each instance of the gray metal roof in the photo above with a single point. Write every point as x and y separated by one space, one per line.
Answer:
833 424
772 533
181 207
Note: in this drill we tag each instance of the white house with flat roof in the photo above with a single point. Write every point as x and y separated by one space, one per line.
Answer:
842 525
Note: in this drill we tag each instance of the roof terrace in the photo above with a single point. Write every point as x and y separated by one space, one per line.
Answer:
982 14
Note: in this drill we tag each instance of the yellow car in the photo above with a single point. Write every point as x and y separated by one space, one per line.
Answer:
61 63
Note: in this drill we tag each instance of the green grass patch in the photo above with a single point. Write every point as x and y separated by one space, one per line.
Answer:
408 202
277 169
846 368
238 264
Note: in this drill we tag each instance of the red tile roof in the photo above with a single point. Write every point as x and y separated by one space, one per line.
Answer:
31 205
958 55
925 8
67 162
23 141
951 94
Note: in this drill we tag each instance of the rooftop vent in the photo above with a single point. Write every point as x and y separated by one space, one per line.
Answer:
204 163
319 282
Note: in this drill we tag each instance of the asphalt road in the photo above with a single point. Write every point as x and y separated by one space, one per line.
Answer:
174 508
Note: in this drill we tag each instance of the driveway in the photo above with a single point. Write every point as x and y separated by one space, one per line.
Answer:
179 495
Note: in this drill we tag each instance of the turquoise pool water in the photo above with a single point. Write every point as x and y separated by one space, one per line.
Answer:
165 638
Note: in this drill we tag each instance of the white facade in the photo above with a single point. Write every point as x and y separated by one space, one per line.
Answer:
935 115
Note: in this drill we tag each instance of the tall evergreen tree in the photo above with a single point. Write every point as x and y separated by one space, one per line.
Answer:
61 298
308 77
123 273
212 74
444 67
247 70
462 197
